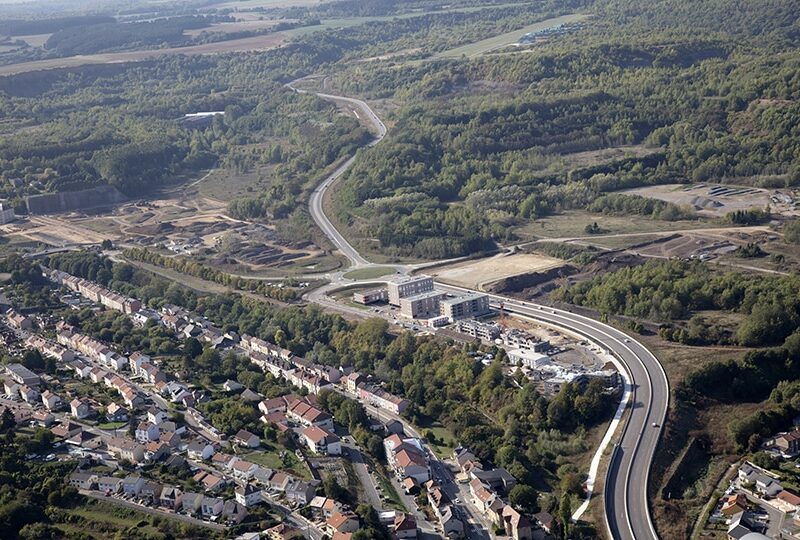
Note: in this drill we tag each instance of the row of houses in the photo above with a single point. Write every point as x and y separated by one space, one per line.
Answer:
94 292
49 349
372 394
93 349
211 508
488 487
129 393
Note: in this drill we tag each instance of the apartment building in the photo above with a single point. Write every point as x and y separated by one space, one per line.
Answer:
461 307
405 286
371 297
421 306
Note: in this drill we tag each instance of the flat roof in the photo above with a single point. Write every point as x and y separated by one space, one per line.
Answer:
422 296
399 280
464 298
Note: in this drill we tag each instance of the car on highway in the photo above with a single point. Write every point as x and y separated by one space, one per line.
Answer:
655 424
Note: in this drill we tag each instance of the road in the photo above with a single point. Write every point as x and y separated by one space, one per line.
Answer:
318 195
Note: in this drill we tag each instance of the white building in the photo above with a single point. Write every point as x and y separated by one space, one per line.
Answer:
405 286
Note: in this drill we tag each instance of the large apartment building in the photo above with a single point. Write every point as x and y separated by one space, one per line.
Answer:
421 306
405 286
468 305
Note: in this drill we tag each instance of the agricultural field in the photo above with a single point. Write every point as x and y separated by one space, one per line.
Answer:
479 273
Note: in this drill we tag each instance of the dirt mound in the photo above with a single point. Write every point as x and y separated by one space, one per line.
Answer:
153 230
522 282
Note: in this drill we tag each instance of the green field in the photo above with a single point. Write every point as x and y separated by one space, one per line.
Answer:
370 273
503 40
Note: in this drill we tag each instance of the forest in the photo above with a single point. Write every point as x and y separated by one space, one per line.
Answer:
675 290
709 107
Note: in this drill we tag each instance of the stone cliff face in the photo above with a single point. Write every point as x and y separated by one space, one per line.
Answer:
65 201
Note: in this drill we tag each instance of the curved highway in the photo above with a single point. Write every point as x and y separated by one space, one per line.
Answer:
318 195
627 507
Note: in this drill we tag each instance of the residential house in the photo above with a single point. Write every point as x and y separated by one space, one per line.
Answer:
51 401
499 480
307 415
323 507
380 398
482 495
546 521
170 497
155 451
248 495
126 449
85 439
223 460
262 476
243 470
97 375
788 500
132 484
66 430
787 444
300 491
10 387
321 441
452 526
211 507
116 413
151 490
192 502
342 523
740 526
199 450
233 512
136 360
247 439
762 481
157 416
83 480
147 432
80 408
232 386
283 531
733 504
211 482
278 404
42 418
29 394
279 481
407 458
404 526
109 484
517 526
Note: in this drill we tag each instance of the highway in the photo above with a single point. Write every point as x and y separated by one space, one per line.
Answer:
625 493
318 195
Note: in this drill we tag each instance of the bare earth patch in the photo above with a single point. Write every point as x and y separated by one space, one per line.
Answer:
477 274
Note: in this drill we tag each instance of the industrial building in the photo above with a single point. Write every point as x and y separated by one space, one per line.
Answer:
406 286
468 305
421 306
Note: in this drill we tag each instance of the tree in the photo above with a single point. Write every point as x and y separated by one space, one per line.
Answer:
524 498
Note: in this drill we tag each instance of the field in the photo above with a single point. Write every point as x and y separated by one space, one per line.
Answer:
477 274
717 200
504 40
370 273
256 43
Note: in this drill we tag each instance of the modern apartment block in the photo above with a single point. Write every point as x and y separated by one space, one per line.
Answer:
406 286
468 305
421 306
